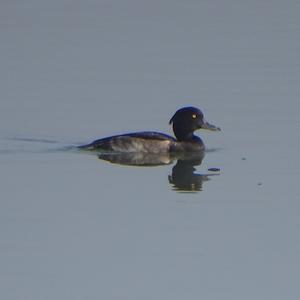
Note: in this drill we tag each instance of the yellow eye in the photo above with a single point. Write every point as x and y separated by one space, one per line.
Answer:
194 116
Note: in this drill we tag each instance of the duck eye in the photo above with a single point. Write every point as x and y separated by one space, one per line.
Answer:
194 116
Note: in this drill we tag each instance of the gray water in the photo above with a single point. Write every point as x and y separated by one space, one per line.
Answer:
76 227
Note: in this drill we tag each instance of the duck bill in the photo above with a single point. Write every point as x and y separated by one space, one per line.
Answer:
208 126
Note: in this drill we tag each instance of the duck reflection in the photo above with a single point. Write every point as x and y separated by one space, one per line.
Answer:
138 159
183 177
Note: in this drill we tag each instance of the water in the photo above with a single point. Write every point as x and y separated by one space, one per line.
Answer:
77 227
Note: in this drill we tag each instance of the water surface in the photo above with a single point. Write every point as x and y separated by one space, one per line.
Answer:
77 227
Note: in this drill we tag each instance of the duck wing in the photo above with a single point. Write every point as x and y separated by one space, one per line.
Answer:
145 141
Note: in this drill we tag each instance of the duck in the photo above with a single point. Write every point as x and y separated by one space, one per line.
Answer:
185 122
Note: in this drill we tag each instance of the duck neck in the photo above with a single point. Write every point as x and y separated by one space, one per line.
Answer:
182 134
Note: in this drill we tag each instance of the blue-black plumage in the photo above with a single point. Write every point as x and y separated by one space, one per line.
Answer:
185 122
